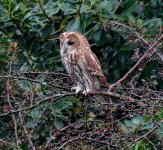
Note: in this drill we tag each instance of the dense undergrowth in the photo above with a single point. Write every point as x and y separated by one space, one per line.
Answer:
37 108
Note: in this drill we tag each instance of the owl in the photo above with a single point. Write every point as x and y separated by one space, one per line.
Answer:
81 63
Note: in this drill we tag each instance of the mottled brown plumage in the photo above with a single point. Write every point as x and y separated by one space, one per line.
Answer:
81 63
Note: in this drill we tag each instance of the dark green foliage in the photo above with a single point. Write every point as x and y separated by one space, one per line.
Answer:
119 33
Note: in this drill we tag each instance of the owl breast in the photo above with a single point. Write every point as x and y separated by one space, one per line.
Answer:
77 68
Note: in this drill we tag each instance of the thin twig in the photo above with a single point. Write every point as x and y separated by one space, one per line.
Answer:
98 141
32 80
136 65
151 143
46 73
144 136
57 96
73 139
10 143
26 132
121 97
137 35
117 6
8 88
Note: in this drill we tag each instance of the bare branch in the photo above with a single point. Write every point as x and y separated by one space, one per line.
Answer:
136 65
32 80
144 136
57 96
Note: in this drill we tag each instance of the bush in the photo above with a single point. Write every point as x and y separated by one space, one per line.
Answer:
38 110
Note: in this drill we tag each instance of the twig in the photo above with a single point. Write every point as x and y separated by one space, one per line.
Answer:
137 35
151 143
121 97
46 73
160 56
136 65
143 136
102 142
57 96
53 136
32 80
64 128
26 132
73 139
8 88
11 144
117 6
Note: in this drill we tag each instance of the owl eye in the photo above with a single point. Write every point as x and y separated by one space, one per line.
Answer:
70 42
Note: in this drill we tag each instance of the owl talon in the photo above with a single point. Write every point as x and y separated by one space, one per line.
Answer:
77 89
85 92
73 88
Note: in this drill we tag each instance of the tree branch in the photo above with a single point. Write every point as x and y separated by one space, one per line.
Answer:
136 65
32 80
57 96
143 136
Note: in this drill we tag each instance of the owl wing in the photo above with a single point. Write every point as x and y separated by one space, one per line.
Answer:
93 65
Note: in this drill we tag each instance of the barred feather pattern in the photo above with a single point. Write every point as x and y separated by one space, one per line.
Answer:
81 63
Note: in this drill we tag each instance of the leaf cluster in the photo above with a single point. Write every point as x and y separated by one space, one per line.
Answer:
36 108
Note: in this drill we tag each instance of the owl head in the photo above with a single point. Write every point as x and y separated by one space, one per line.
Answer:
73 40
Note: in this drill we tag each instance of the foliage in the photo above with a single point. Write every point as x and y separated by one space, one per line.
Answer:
36 104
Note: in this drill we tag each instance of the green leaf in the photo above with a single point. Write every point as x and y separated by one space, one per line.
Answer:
139 23
129 6
126 47
138 120
97 35
153 22
61 105
147 126
58 124
125 129
16 8
84 8
160 131
137 146
68 8
74 25
28 15
104 6
35 112
129 123
51 8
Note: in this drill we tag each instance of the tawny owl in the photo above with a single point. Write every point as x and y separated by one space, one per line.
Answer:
81 63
